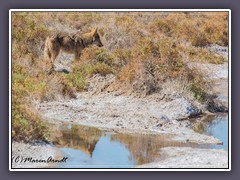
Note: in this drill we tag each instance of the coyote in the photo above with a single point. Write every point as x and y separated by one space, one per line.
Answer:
72 44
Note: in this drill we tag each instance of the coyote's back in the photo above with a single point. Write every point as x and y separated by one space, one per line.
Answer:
69 43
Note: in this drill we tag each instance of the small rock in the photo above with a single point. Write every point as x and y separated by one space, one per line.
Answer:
164 118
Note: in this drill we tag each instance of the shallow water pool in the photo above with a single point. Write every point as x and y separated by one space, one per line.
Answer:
89 147
217 126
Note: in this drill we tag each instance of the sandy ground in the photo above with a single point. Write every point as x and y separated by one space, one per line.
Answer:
185 157
21 151
212 71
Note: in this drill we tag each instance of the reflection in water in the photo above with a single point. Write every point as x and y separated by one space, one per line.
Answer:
106 154
78 137
216 126
146 148
88 147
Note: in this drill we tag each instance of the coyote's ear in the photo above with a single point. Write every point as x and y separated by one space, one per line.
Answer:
94 32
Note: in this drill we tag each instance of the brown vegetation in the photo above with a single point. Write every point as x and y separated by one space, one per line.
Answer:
142 49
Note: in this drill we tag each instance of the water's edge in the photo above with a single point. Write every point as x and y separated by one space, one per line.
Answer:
89 147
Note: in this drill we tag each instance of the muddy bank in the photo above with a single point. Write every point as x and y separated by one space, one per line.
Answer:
186 157
125 113
26 155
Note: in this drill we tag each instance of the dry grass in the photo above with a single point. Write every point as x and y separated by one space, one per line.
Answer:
143 50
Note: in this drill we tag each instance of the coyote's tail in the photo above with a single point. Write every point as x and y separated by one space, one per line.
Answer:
47 53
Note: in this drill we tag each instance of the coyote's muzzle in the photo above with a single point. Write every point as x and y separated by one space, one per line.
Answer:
72 44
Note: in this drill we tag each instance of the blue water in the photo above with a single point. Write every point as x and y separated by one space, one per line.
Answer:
107 154
88 147
218 127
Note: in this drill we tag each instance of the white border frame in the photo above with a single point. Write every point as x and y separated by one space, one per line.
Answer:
120 10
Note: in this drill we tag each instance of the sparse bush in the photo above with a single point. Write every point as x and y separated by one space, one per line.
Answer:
124 21
25 85
98 68
128 72
198 85
146 47
104 57
25 123
199 29
118 38
162 26
95 54
171 62
76 81
121 57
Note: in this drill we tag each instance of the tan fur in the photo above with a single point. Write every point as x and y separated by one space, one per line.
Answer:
69 43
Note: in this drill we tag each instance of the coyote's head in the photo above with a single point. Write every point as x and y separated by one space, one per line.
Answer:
96 38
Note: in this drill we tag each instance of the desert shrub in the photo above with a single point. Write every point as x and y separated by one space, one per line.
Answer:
162 26
103 56
95 60
146 47
118 38
145 81
200 29
95 54
165 52
190 31
75 80
171 63
215 27
198 85
198 38
27 35
59 87
99 68
78 20
25 123
25 85
121 57
128 72
124 20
